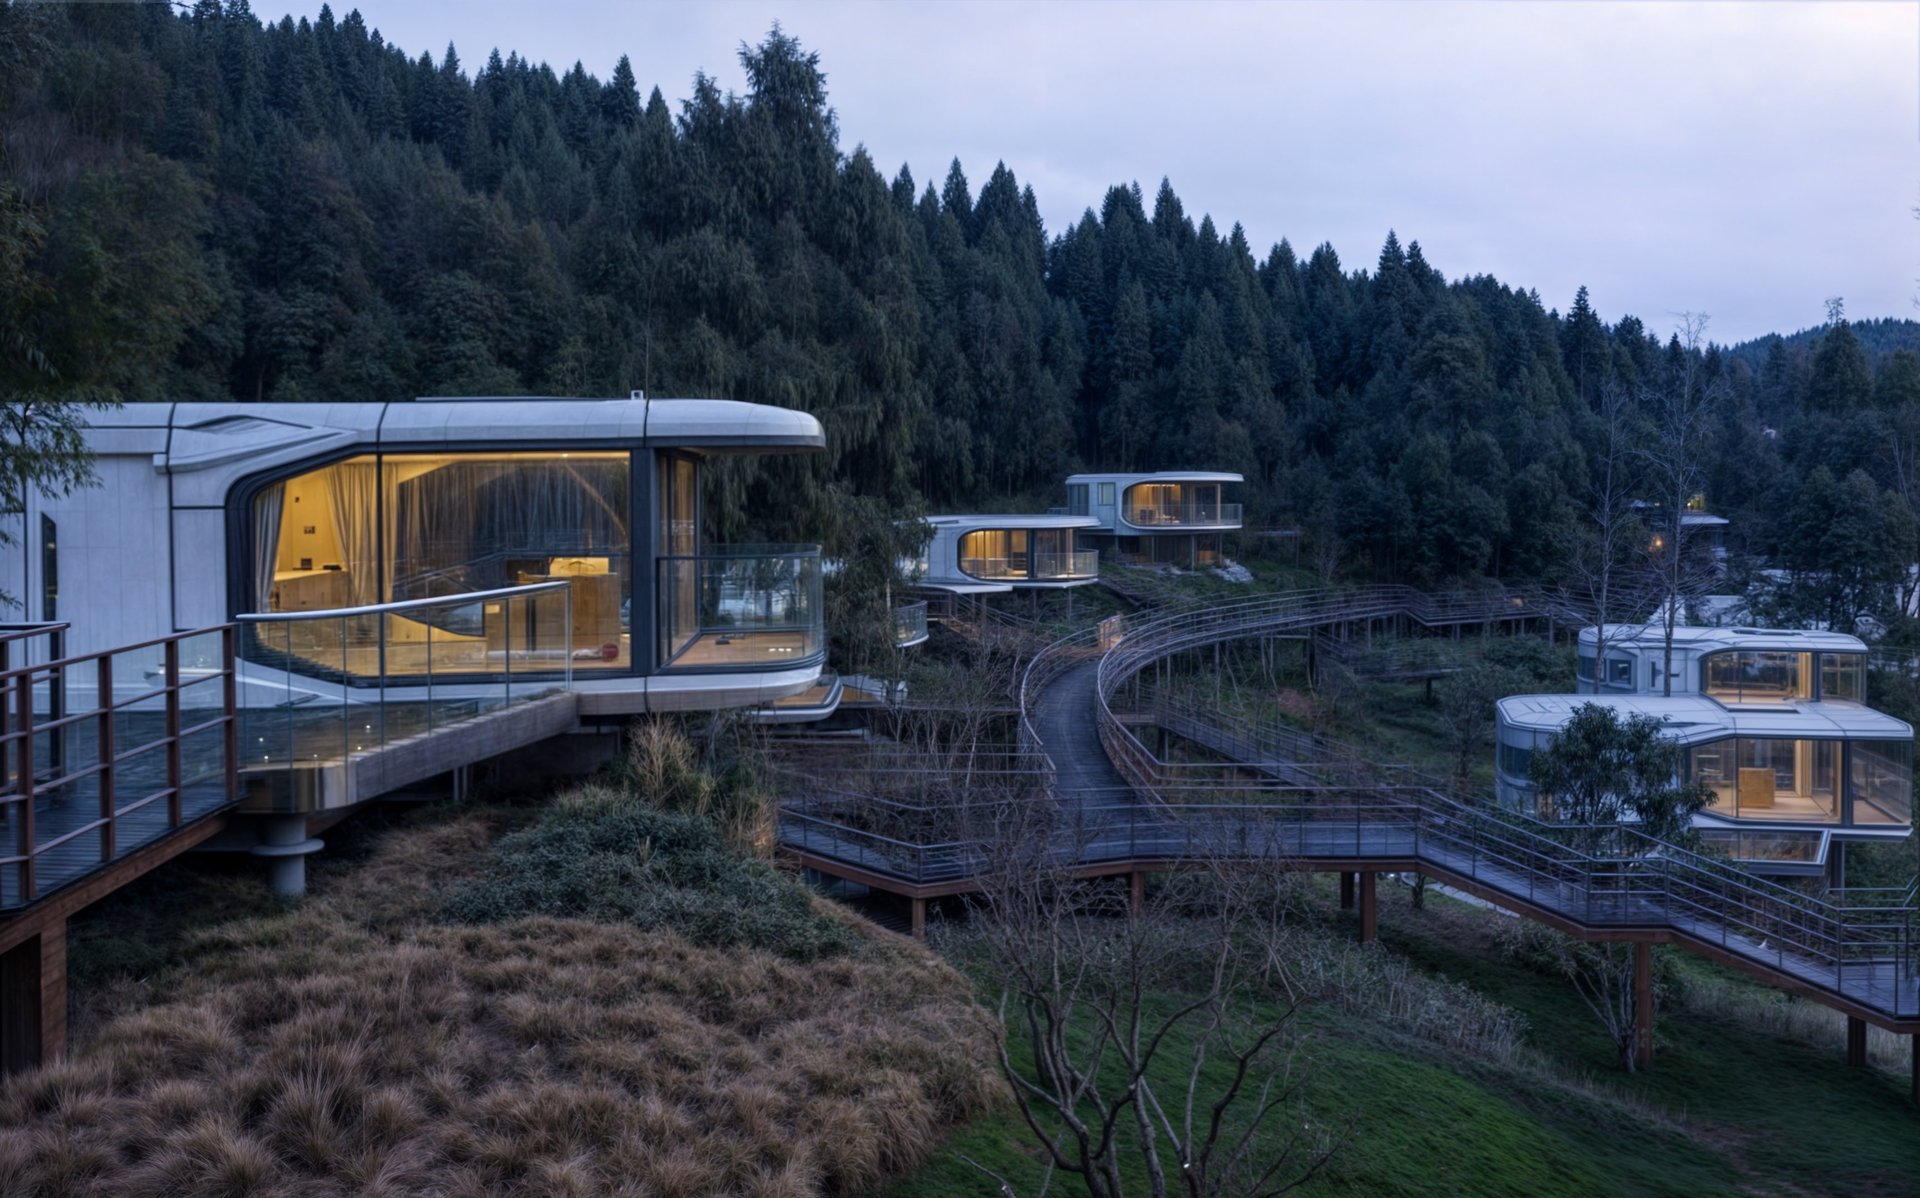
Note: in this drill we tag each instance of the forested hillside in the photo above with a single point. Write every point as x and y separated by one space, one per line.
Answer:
198 206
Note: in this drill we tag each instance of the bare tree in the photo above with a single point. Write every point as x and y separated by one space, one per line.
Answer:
1681 410
1162 1037
1603 579
1603 976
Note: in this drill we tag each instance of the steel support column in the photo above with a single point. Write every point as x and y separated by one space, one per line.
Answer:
920 919
1137 893
1369 909
1856 1042
1346 891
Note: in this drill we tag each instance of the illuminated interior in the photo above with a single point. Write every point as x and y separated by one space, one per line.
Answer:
1804 781
1151 505
369 530
1019 555
1773 676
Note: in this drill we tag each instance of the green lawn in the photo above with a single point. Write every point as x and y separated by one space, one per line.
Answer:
1724 1110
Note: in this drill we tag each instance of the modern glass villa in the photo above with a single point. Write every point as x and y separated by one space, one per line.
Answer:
438 541
1173 517
981 555
1773 722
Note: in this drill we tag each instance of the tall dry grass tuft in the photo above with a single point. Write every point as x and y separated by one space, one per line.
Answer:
355 1045
665 769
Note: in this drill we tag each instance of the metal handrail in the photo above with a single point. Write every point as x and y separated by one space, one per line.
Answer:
380 609
1831 934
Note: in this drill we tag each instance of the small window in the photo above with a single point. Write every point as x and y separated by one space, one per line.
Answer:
1106 494
1077 499
1620 671
49 571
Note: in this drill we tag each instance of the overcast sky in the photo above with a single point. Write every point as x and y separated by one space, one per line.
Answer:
1744 160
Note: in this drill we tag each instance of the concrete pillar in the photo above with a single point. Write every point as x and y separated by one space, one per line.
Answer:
919 919
1914 1081
1856 1042
1369 910
1643 1003
33 999
1346 891
285 844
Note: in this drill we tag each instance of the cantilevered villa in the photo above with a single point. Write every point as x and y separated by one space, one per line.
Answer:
1173 517
1773 722
389 569
287 513
983 555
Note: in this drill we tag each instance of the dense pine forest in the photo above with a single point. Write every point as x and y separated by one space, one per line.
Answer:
194 205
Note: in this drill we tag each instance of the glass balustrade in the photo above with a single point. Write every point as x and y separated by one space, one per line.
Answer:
755 607
325 687
910 624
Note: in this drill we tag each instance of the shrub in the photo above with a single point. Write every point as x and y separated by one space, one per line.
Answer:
605 856
664 769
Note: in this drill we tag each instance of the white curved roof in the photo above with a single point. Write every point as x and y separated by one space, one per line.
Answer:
1695 719
1160 476
1716 637
972 523
197 436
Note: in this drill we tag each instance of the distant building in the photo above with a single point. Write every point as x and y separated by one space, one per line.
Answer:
1171 517
1773 722
993 554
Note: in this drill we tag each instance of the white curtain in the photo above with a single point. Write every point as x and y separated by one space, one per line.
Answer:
353 490
266 543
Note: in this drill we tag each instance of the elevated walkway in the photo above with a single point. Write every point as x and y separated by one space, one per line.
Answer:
1110 804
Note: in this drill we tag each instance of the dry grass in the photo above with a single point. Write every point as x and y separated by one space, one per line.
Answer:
354 1046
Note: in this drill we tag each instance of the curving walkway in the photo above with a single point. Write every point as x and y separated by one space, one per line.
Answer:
1121 809
1860 960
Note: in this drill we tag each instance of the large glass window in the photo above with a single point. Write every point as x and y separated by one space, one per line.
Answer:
1515 760
1843 676
1077 498
1054 556
1764 778
1155 504
372 530
1019 555
1882 782
678 515
1758 676
1584 669
994 553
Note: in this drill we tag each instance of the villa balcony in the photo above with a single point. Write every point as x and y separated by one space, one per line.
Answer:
910 624
1068 566
752 607
1166 516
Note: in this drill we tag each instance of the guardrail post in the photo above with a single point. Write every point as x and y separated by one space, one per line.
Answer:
229 700
23 723
170 659
104 753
